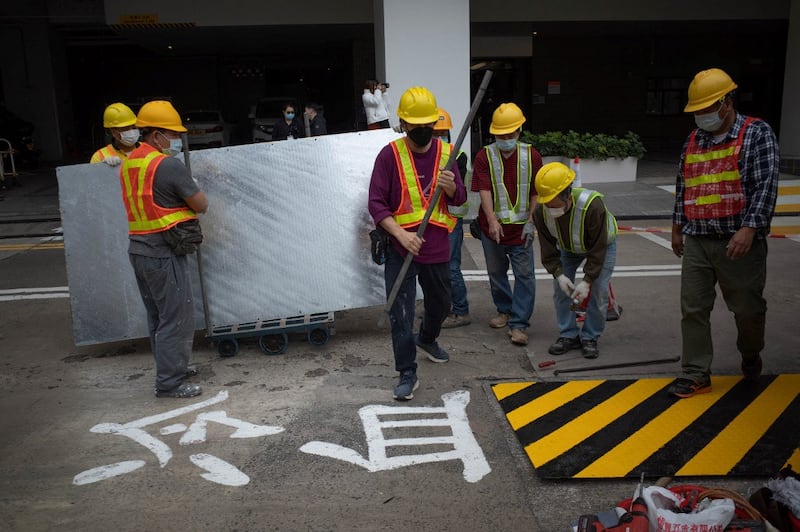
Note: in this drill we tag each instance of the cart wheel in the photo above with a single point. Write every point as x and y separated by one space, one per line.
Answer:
318 336
273 344
227 347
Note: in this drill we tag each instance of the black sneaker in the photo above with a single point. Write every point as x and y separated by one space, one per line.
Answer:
433 351
406 386
563 345
589 348
751 369
182 391
685 387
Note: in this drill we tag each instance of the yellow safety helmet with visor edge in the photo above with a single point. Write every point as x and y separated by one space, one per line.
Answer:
551 180
708 87
160 114
507 118
118 115
418 106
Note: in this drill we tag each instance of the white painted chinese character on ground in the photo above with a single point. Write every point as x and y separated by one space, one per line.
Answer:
217 470
465 447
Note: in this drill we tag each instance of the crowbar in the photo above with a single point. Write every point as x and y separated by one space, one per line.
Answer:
438 192
618 365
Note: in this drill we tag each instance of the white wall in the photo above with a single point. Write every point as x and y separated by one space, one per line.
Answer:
427 44
790 110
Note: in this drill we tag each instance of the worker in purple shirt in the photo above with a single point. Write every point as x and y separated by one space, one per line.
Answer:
404 178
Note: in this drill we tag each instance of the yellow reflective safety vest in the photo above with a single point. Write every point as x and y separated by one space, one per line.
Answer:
137 176
413 202
459 211
581 198
712 180
107 151
506 211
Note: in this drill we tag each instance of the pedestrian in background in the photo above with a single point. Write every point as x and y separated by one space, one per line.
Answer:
574 226
316 119
404 179
459 311
503 174
376 104
289 125
725 196
160 196
120 123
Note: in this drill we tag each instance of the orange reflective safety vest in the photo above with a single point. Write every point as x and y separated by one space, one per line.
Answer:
107 151
137 176
413 202
712 180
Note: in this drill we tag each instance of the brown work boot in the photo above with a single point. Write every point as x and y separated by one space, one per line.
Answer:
455 320
499 321
518 336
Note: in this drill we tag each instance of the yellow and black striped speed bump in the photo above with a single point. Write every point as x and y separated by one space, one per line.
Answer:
622 428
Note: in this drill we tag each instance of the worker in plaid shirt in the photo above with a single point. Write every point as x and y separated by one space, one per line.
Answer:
725 197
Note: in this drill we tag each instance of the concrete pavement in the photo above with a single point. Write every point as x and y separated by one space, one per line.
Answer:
52 394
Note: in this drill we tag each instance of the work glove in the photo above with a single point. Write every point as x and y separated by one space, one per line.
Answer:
398 128
112 161
581 291
565 285
527 234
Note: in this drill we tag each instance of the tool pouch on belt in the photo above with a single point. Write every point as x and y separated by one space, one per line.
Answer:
475 229
380 239
184 237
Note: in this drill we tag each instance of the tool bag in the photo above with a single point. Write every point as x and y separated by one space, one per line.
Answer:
379 241
184 237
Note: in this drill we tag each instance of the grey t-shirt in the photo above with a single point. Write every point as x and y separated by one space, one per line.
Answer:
172 183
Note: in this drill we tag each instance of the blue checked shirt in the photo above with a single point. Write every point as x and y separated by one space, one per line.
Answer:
759 164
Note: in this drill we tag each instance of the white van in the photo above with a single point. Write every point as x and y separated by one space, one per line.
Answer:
264 115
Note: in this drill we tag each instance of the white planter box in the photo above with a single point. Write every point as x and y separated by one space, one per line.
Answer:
594 171
608 171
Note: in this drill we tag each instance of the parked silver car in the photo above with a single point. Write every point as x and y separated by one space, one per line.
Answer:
207 129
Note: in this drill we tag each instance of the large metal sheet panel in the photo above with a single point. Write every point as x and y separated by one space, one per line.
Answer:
286 234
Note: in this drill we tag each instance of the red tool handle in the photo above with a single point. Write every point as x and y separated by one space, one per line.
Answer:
547 363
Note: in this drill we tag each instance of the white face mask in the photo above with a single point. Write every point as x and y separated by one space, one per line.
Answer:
710 122
556 212
129 137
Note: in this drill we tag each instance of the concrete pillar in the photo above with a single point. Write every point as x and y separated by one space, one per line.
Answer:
424 43
790 110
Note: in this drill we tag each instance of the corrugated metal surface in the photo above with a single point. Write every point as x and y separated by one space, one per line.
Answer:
286 234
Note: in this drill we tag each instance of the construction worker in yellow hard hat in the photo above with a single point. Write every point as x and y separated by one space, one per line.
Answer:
162 201
503 174
574 225
120 123
725 198
459 311
405 177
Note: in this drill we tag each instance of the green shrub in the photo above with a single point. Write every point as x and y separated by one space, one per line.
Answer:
585 145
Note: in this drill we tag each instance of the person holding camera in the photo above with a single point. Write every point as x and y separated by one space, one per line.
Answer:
162 201
376 104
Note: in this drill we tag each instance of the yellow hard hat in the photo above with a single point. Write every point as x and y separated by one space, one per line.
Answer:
444 123
418 106
160 114
506 119
707 87
118 115
551 180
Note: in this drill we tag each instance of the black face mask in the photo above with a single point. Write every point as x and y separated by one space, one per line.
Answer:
421 136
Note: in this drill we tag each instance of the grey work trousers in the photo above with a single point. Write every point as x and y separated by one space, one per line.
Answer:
166 290
741 282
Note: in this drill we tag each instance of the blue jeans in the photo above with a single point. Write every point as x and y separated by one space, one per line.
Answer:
457 285
595 320
434 279
519 303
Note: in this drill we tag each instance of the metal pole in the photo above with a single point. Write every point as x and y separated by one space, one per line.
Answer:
619 365
188 162
438 192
